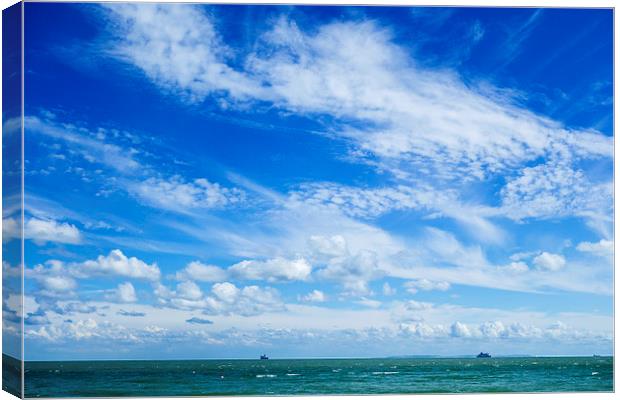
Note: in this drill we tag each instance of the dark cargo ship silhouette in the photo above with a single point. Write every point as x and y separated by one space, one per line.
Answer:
483 355
264 357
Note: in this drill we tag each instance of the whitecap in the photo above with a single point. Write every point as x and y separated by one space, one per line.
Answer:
594 373
385 372
293 374
266 376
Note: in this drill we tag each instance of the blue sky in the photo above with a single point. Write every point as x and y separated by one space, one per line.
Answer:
223 181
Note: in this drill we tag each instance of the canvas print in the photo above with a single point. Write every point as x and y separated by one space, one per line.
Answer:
208 199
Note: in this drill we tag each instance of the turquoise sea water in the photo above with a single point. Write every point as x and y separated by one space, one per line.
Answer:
317 376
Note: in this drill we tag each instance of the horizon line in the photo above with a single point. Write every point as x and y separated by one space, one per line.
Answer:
319 358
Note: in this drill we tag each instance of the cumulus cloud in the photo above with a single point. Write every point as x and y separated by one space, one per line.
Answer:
426 285
118 264
189 290
248 301
58 279
422 330
413 305
353 272
82 330
89 329
517 267
224 298
41 231
198 271
458 329
10 229
226 292
52 284
58 284
126 293
273 270
549 261
602 248
315 296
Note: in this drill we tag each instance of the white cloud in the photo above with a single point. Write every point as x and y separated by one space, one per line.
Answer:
388 290
198 271
492 329
177 195
366 203
405 121
118 264
41 231
517 267
315 296
426 285
13 302
226 292
555 189
56 284
370 303
459 330
353 272
189 290
422 330
549 261
273 270
82 329
56 275
411 113
247 301
390 328
410 117
126 293
10 229
93 149
602 248
418 305
177 47
334 246
225 298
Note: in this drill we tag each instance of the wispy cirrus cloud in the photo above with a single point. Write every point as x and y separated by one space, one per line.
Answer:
85 141
407 118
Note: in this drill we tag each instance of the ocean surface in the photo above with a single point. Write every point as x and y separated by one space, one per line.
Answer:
317 376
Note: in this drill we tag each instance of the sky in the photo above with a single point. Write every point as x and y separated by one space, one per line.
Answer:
228 181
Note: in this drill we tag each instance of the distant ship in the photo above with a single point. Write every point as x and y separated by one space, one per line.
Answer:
483 355
264 357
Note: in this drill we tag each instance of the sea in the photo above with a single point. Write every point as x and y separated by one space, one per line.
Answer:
317 376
